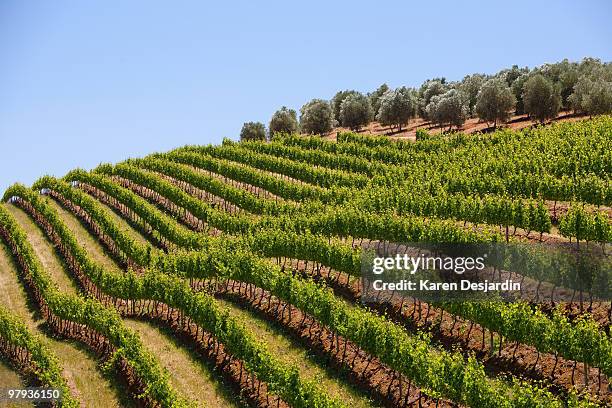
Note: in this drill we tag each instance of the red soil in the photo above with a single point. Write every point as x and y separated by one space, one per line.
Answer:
470 126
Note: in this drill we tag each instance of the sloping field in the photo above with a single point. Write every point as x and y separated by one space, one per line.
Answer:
230 275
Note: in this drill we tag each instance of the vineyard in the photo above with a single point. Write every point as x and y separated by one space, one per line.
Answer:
230 275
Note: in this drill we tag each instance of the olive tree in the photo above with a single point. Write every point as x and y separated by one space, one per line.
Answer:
470 86
355 111
517 90
511 74
428 90
284 120
336 102
592 96
594 68
541 99
449 108
397 107
253 131
563 75
375 98
316 117
495 101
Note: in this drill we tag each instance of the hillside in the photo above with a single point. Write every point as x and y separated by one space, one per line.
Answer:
473 125
233 275
512 98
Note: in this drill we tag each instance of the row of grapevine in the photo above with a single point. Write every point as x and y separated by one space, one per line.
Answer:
575 340
527 326
202 309
339 161
313 175
572 148
18 344
587 189
248 201
489 209
244 174
286 286
413 355
303 245
528 319
159 221
338 221
493 210
500 172
585 226
87 312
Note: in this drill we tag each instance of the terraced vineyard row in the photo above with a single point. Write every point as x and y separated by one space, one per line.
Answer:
202 238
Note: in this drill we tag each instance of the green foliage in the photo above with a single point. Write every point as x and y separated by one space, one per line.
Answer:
422 134
409 354
495 101
316 117
375 98
450 108
470 86
397 107
201 308
427 91
337 100
593 97
253 131
330 193
284 120
563 75
355 111
80 310
510 75
585 226
517 90
541 99
44 365
277 243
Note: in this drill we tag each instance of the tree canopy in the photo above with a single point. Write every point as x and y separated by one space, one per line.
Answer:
337 100
450 108
284 120
253 131
375 98
592 96
316 117
355 111
495 101
541 99
397 107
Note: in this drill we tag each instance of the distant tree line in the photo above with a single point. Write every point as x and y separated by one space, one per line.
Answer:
584 87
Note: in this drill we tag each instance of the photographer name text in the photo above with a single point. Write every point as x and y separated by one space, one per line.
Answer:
429 286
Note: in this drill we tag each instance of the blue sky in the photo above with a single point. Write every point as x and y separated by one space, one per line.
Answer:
99 81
